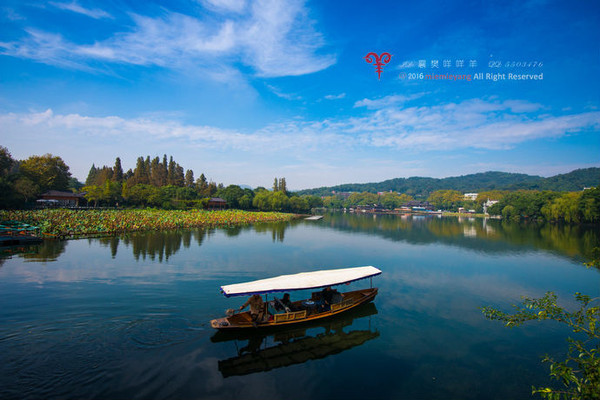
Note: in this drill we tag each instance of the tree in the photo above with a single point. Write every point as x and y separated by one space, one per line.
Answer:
189 178
279 201
7 178
589 205
111 192
245 202
171 172
26 189
314 201
202 186
275 185
299 204
333 202
6 161
282 186
117 171
262 200
394 200
47 172
139 173
446 199
179 178
93 193
565 208
362 199
231 194
580 371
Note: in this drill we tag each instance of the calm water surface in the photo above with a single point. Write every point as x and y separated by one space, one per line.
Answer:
128 317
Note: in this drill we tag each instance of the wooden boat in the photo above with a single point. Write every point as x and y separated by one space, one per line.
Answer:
270 349
303 310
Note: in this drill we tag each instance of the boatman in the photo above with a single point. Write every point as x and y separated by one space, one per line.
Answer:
256 308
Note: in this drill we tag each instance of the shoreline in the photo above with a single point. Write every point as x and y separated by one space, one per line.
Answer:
64 223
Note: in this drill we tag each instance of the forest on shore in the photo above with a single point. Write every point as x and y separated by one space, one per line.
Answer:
163 183
158 183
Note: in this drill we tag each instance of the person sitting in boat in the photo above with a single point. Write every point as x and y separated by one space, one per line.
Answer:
257 308
327 298
283 304
287 302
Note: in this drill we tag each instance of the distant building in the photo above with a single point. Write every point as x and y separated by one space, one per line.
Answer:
488 204
57 198
419 205
471 196
216 203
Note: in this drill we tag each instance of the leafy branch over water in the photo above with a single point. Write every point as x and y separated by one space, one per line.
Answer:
580 371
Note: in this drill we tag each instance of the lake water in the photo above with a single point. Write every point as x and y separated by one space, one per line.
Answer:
128 317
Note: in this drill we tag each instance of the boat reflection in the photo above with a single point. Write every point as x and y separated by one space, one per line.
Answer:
294 345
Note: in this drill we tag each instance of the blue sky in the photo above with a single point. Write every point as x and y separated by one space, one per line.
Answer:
245 91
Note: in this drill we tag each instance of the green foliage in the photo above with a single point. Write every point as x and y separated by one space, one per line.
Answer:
48 172
564 207
579 373
449 200
484 196
486 181
299 204
572 207
232 194
6 162
362 199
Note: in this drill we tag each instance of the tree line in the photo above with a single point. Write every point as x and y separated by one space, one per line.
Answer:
163 183
156 182
422 187
570 207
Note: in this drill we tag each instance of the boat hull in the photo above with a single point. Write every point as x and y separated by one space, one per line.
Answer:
350 300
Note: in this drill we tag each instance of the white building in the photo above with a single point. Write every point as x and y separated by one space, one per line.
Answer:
471 196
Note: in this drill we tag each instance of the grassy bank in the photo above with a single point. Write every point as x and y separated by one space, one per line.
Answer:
66 223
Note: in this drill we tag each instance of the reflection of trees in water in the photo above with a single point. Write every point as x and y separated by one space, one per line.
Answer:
163 244
48 250
493 235
277 229
158 244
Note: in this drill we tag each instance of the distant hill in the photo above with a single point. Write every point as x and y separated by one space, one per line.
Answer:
492 180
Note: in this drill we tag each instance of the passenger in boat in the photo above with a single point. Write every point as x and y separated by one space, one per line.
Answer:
257 308
327 296
287 302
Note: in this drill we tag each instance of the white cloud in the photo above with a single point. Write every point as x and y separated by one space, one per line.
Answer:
236 6
470 124
288 96
279 40
73 6
335 96
306 152
274 38
387 101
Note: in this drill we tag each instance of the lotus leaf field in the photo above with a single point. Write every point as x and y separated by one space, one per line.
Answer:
65 223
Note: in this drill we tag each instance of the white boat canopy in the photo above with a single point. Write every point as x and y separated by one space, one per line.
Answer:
304 280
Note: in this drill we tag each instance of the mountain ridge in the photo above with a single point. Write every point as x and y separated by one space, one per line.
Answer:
481 181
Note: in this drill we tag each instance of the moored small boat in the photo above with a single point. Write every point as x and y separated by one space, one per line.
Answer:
322 304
